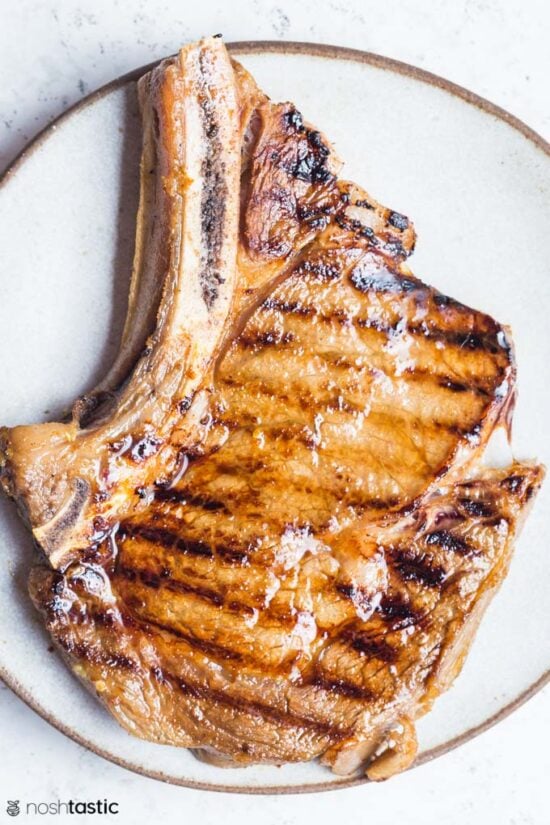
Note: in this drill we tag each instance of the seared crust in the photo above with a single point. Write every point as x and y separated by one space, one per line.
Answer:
324 652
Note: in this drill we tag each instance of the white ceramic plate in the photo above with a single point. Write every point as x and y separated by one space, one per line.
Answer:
475 181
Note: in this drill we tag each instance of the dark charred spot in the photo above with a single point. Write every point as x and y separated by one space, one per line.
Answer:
185 403
239 607
163 578
127 573
448 541
319 270
365 279
86 652
150 579
368 645
442 300
183 497
315 215
273 337
513 483
156 122
310 165
398 612
212 649
120 661
57 585
474 433
357 595
421 569
146 447
400 222
291 307
294 120
233 555
158 675
394 247
364 204
342 688
206 593
259 710
105 618
530 492
464 339
471 341
453 386
353 225
475 507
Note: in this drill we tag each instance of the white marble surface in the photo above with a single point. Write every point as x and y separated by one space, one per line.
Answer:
51 53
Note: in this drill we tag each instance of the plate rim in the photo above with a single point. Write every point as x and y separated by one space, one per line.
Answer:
329 52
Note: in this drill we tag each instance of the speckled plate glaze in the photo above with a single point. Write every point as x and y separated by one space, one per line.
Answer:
476 182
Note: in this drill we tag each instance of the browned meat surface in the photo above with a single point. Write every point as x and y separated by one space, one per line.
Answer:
320 646
275 540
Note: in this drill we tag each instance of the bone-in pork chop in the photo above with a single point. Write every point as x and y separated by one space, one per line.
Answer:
275 539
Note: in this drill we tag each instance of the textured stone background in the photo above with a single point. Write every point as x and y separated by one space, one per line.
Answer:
53 53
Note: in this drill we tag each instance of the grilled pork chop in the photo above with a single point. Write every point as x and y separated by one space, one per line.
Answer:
275 540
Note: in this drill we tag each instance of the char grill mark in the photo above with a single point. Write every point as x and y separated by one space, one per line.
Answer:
254 708
459 386
488 341
343 688
398 612
176 496
462 339
204 646
192 547
288 307
96 656
370 645
163 579
156 581
248 423
475 507
257 342
167 539
270 338
360 597
414 568
450 542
